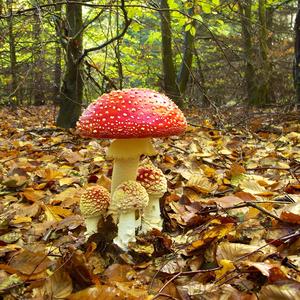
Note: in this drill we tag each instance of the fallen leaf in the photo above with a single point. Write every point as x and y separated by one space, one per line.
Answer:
29 263
59 284
33 195
291 213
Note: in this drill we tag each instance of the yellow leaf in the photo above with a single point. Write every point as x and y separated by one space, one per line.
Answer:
59 211
201 184
49 174
252 187
21 219
226 265
99 159
216 232
67 181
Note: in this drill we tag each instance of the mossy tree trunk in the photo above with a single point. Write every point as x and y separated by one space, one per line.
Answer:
297 56
72 87
169 72
38 94
187 58
13 94
57 66
245 9
265 66
175 84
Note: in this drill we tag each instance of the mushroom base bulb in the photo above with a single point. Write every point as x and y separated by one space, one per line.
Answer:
152 218
126 230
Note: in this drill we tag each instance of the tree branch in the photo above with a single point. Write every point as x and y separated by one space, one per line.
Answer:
117 37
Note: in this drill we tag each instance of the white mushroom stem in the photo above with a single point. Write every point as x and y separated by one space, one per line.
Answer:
126 154
151 218
126 230
91 224
123 170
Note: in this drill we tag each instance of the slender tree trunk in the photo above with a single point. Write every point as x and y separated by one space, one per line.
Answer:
57 66
14 94
38 92
72 88
187 59
245 9
118 53
169 71
297 56
201 81
265 70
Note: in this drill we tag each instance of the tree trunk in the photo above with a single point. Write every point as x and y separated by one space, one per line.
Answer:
245 9
72 88
38 93
201 80
13 94
297 56
57 66
187 59
265 71
169 71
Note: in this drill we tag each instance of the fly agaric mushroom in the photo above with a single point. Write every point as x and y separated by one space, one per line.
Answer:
155 183
94 203
131 117
128 197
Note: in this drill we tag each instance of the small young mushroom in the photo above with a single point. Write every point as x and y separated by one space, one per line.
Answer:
155 183
93 204
128 197
131 117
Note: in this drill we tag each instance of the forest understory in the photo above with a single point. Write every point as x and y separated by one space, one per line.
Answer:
231 213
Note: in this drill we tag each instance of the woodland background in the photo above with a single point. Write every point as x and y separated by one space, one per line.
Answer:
200 53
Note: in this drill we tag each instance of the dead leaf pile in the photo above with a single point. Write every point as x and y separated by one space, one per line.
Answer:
231 214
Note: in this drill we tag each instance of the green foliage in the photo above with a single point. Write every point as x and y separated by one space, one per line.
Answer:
215 25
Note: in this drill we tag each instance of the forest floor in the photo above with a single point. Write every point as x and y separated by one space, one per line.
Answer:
231 213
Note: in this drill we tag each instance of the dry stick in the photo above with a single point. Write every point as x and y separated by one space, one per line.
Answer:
283 238
186 273
176 147
167 296
268 168
252 204
293 171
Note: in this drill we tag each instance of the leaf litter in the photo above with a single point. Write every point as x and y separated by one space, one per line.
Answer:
231 214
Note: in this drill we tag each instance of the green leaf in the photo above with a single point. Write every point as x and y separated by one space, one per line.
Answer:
198 18
188 27
193 31
206 8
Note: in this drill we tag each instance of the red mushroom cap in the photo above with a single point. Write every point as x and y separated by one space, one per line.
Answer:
132 113
152 179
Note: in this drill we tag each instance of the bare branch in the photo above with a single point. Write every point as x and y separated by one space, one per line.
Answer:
127 22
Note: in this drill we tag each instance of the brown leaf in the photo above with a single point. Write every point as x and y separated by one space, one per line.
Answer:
28 262
117 272
236 169
284 291
59 285
71 157
104 292
33 195
291 213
